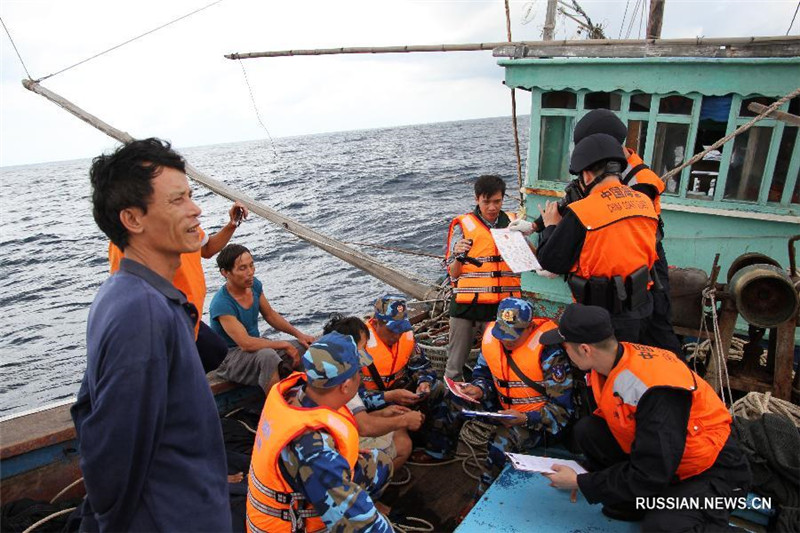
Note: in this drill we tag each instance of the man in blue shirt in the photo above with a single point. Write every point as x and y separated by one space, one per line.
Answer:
150 440
234 311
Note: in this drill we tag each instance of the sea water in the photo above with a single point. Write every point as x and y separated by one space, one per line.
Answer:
396 187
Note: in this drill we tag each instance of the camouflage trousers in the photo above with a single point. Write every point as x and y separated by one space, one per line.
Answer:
373 471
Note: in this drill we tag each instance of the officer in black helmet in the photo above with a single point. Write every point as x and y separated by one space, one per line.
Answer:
604 243
657 330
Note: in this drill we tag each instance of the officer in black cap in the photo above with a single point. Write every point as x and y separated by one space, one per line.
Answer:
660 433
605 242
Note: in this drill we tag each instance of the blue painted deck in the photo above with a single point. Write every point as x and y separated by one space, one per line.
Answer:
521 502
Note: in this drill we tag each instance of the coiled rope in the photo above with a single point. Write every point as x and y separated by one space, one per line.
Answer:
755 404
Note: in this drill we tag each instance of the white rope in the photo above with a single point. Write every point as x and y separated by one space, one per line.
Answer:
405 481
755 404
48 518
65 489
723 380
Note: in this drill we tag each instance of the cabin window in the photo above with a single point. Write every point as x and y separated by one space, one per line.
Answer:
779 178
554 153
744 112
669 150
559 100
640 102
747 164
675 105
637 136
703 177
600 100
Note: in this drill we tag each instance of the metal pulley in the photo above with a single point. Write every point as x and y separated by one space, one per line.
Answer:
765 295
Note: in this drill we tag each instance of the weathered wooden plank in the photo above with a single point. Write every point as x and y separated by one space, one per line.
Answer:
752 47
792 120
781 46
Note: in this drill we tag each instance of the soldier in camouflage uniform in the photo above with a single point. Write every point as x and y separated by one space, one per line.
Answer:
308 479
540 403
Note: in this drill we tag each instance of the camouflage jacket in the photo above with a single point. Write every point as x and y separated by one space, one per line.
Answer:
418 371
312 466
557 382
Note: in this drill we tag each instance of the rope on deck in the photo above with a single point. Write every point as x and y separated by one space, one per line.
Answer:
755 404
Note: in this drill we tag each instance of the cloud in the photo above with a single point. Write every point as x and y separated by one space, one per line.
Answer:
175 83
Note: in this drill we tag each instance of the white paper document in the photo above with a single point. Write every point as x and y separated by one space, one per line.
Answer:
515 250
534 463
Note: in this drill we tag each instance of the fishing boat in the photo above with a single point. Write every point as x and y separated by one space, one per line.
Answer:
678 98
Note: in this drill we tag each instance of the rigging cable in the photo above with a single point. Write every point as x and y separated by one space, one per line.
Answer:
15 48
255 108
514 121
624 16
128 41
793 17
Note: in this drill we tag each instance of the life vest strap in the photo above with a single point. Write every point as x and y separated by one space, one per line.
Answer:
521 401
478 290
286 498
632 173
510 384
489 258
492 274
295 516
386 379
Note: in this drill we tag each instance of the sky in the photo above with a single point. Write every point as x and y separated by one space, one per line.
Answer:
176 84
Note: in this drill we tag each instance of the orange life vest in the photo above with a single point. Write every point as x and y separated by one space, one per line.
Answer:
189 277
272 505
390 361
644 367
493 280
513 392
640 173
620 231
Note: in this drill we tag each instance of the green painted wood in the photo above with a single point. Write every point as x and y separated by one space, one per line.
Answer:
727 149
794 170
711 76
769 164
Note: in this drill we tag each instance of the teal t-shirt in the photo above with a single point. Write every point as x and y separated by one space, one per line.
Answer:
225 304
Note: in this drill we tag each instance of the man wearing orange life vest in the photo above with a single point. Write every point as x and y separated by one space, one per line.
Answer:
606 242
537 393
191 281
306 471
659 434
480 277
400 372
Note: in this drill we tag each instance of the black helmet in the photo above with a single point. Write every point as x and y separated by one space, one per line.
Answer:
593 149
600 121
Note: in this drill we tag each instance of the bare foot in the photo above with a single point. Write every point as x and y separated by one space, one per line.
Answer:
383 508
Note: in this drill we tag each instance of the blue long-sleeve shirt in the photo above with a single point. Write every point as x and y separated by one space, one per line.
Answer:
150 439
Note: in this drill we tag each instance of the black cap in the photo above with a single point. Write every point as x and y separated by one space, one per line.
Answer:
584 324
593 149
600 121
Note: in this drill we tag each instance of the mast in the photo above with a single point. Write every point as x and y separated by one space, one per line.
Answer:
655 19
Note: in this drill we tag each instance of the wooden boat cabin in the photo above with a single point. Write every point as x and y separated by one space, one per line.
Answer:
744 197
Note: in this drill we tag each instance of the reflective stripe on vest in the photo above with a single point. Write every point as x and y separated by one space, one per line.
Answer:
511 390
389 361
620 231
644 367
638 172
493 280
272 505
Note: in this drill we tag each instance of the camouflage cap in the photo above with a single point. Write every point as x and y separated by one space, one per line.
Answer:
391 309
514 315
333 359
